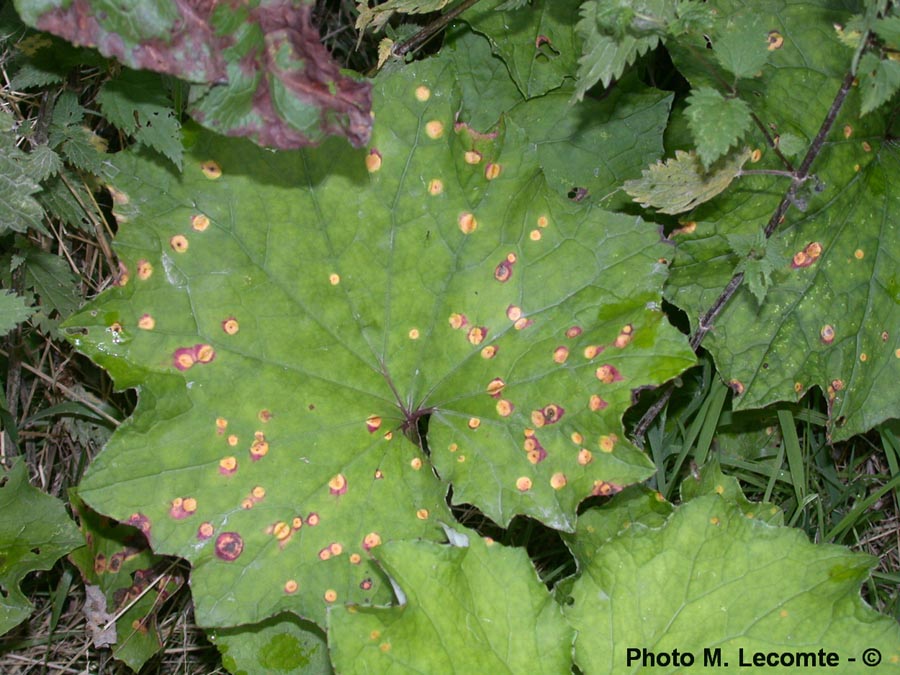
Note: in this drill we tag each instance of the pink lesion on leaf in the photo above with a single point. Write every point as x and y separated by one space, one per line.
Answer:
186 357
476 335
229 546
603 488
205 531
183 507
503 271
140 521
534 451
608 374
573 331
338 484
259 448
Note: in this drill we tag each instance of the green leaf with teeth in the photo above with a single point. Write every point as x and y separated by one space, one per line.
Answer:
479 608
829 319
325 340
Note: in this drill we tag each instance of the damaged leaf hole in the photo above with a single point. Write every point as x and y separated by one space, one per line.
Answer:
545 546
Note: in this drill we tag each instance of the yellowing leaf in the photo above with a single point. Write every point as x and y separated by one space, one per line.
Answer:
680 184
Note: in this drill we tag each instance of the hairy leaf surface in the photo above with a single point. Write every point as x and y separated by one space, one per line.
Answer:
259 67
478 608
295 320
831 317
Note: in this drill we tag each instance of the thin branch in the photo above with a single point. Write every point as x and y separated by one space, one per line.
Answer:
416 41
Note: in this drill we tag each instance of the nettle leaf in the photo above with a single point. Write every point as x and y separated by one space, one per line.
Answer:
879 80
294 320
829 317
131 584
741 45
539 46
717 123
479 608
380 14
681 184
18 208
263 71
35 532
14 310
615 34
136 103
712 578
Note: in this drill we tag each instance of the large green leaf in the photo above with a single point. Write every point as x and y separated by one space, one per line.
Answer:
259 66
34 533
476 608
830 318
713 583
291 318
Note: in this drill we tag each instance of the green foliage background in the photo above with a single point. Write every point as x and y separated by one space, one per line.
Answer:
341 351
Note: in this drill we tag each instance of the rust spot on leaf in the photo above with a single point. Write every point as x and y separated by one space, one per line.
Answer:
591 351
775 40
495 386
503 271
434 129
608 442
228 465
229 546
505 408
492 170
371 540
476 335
558 480
199 222
144 270
338 484
597 403
373 423
826 334
585 457
423 93
604 489
146 322
230 325
513 313
373 161
573 332
205 531
291 586
467 223
312 519
489 352
608 374
807 256
472 157
211 169
435 187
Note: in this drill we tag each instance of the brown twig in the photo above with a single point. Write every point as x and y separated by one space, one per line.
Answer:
413 43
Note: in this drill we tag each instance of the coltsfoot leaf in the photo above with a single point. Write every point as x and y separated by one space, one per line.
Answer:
325 340
714 578
479 609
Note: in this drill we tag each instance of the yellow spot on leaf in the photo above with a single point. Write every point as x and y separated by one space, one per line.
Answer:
489 352
472 157
523 484
179 244
848 131
422 514
534 235
373 161
467 223
558 481
435 187
232 440
504 408
492 170
756 155
423 93
776 40
416 463
858 254
199 222
474 423
230 326
608 442
413 333
434 129
291 586
513 313
146 322
144 270
560 354
211 169
585 457
330 595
